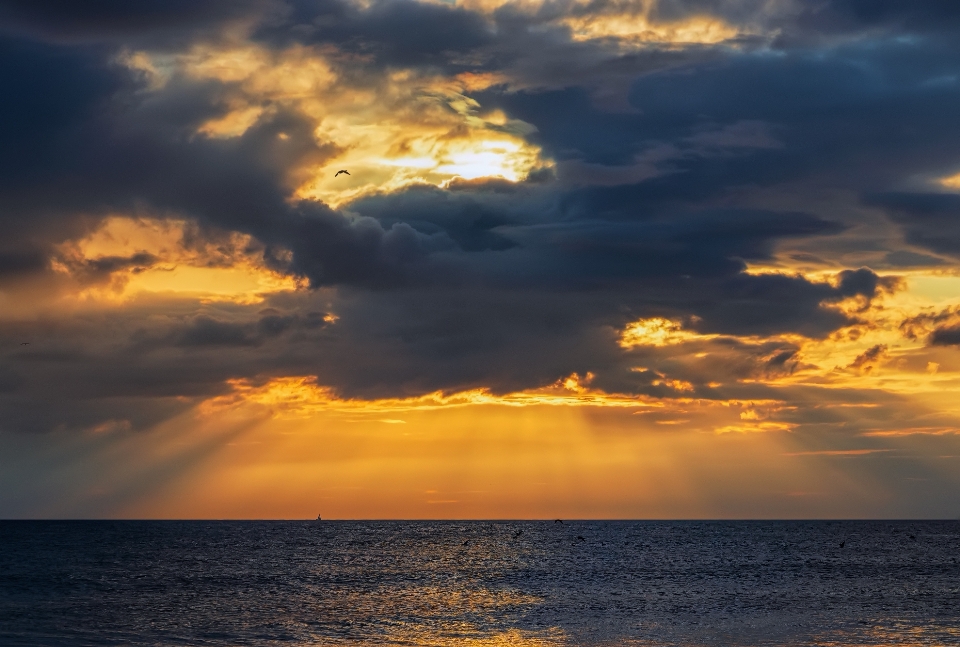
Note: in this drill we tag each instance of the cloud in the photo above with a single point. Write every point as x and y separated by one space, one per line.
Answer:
391 33
505 218
852 15
21 262
929 220
117 20
665 220
869 359
946 336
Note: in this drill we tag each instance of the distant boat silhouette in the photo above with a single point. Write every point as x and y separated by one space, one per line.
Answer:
558 521
842 543
318 518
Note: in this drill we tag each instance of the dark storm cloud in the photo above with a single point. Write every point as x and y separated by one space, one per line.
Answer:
21 262
402 343
930 220
852 15
904 258
50 97
867 114
97 20
591 238
33 412
204 331
396 32
946 336
468 217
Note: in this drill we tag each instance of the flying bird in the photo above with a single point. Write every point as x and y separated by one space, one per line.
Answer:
341 171
24 343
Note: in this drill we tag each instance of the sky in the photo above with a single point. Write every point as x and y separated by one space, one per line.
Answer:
591 259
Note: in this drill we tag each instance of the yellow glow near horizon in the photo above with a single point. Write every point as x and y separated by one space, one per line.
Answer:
301 397
480 459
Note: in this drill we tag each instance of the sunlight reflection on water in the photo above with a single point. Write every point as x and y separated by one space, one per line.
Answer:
479 584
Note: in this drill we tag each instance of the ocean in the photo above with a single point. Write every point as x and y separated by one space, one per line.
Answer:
480 583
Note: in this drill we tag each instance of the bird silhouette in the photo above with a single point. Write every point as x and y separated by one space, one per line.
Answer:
519 532
341 171
466 542
24 343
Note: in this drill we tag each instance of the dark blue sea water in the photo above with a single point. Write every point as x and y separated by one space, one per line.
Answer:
479 583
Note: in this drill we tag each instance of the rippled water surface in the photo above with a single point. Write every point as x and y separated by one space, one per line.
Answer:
479 583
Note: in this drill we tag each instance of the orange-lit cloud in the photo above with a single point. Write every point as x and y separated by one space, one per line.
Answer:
951 182
174 259
628 23
633 29
302 396
913 431
656 331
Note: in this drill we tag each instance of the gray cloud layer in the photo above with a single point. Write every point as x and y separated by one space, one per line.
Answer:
484 283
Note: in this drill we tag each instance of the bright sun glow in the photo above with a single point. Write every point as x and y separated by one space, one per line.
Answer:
411 128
